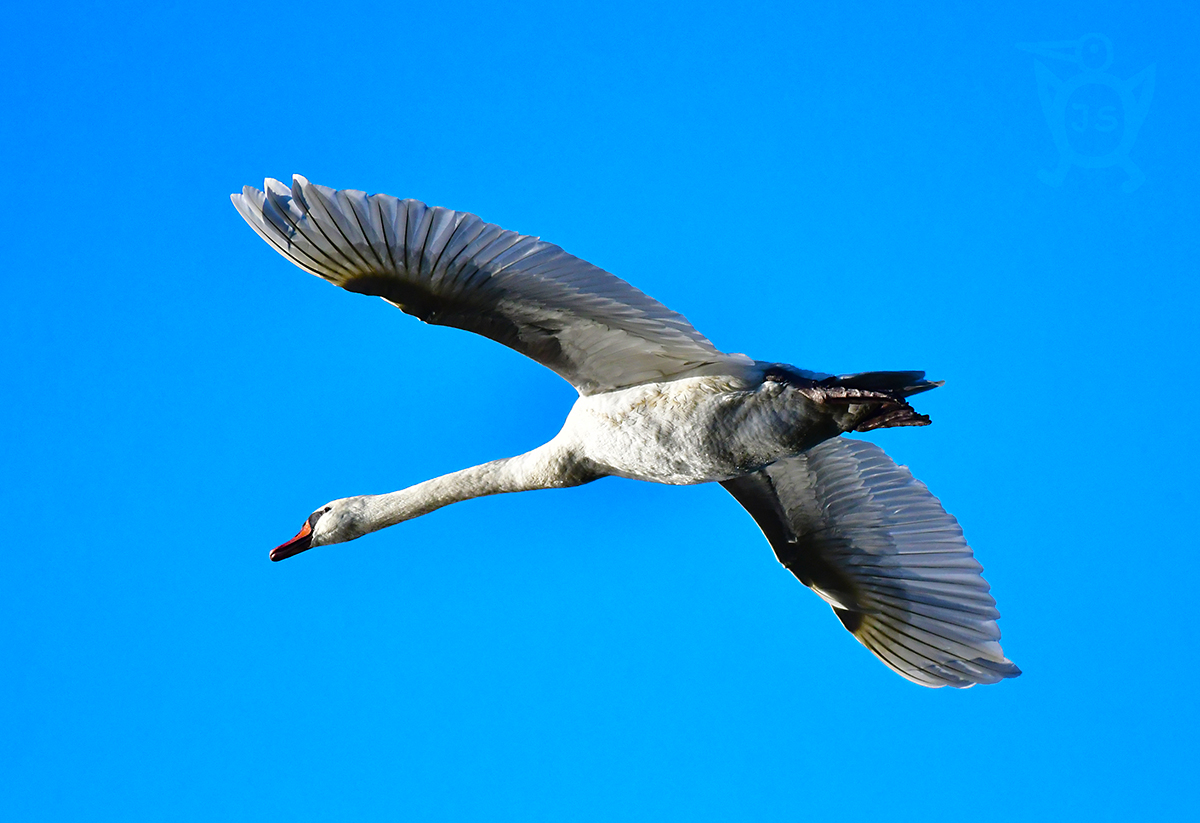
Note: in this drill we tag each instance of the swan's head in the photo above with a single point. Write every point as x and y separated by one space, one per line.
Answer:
335 522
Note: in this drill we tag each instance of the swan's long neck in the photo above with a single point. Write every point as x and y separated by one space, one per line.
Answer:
548 467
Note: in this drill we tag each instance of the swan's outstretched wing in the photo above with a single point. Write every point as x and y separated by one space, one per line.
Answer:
878 547
452 269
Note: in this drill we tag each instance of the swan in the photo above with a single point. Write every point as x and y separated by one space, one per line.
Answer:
658 402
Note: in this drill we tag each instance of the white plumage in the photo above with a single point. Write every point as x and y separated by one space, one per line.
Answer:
659 402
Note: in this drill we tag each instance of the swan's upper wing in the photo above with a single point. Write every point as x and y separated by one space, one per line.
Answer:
878 547
452 269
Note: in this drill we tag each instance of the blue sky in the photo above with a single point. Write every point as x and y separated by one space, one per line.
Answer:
840 189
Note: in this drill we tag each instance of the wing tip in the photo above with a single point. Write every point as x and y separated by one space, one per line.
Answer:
932 666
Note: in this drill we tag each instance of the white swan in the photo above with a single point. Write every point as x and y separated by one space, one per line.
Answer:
658 402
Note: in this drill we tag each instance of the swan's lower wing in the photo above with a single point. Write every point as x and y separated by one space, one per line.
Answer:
879 548
452 269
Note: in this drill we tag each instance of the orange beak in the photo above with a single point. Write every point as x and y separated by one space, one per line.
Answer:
299 543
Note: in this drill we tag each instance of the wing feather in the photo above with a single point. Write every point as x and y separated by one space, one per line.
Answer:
451 268
880 549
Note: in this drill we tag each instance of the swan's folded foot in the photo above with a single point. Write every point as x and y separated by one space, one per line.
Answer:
873 400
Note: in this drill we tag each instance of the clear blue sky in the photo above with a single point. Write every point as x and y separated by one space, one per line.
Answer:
842 190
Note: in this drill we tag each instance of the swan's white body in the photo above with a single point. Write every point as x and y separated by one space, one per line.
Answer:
691 430
658 402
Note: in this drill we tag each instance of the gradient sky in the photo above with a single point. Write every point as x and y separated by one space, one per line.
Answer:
842 190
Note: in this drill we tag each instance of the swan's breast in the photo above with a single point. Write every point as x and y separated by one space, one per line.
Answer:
693 430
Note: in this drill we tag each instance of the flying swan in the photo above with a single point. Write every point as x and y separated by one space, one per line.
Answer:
658 402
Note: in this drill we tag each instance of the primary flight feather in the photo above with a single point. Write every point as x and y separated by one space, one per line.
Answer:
658 402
